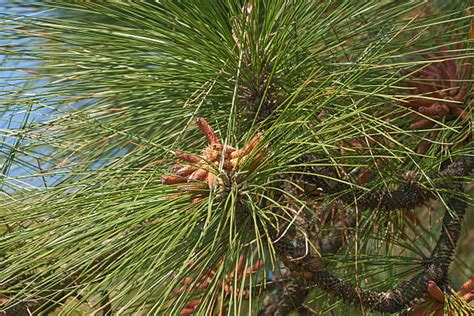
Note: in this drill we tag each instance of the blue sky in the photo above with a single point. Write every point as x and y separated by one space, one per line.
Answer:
17 112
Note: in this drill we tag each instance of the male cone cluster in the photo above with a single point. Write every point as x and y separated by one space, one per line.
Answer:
206 171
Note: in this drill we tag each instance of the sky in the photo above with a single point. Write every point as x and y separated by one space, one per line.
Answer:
16 114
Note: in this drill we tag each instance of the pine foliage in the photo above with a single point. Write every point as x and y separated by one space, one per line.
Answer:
231 157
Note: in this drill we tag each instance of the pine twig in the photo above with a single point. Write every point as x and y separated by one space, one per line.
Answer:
398 299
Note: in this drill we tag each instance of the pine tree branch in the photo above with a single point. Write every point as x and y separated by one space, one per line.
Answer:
435 269
291 296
